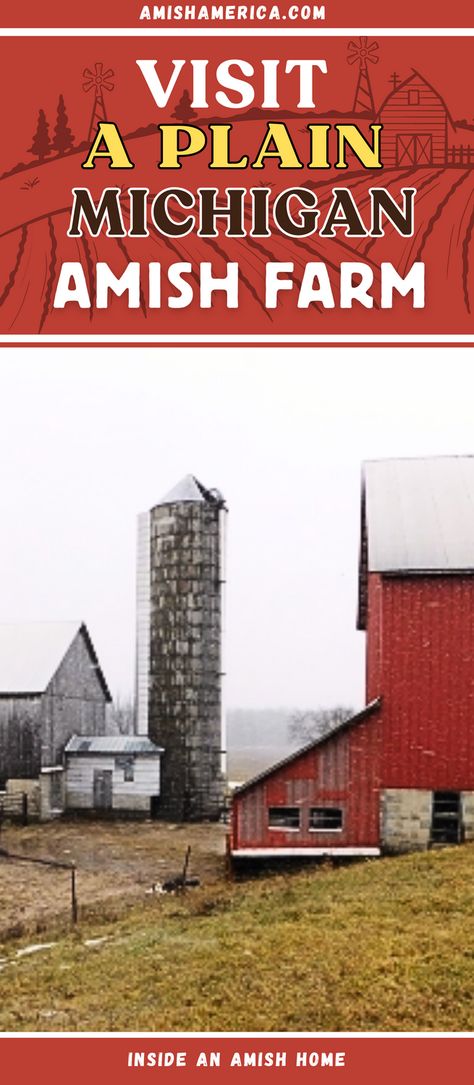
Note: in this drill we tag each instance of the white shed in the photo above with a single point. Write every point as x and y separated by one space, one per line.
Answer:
112 774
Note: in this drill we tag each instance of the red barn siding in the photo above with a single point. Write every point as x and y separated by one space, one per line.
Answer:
342 771
424 669
374 641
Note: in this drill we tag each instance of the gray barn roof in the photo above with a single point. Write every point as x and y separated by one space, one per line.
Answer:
420 514
31 652
112 744
417 516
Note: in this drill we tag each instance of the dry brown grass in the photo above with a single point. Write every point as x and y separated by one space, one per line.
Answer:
116 862
386 945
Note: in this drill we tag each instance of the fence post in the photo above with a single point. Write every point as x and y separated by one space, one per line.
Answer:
73 894
24 808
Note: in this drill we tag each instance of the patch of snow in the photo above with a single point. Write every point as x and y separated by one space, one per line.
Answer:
27 950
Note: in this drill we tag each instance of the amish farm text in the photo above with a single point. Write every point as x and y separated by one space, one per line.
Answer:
263 210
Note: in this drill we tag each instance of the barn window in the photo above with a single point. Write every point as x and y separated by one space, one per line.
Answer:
325 819
413 97
283 817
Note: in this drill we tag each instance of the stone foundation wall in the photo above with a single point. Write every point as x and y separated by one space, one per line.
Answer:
467 808
405 819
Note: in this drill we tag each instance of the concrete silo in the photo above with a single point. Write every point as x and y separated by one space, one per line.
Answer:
179 653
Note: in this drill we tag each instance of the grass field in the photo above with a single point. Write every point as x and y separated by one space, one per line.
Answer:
382 945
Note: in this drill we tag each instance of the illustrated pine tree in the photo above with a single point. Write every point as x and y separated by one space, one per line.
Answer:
41 145
63 138
184 111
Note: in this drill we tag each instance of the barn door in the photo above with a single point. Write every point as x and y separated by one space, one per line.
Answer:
446 820
423 150
414 150
102 789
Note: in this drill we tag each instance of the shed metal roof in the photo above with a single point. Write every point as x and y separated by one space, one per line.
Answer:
419 514
113 744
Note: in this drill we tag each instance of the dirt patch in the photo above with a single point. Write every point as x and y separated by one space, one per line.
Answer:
117 863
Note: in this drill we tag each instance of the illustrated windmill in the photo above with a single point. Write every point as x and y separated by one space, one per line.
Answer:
98 81
366 54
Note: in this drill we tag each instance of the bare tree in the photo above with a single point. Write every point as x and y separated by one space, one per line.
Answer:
122 717
306 726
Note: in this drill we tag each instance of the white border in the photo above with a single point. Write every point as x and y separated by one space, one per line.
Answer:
284 340
152 1036
235 31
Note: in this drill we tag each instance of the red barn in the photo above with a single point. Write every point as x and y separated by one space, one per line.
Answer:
400 774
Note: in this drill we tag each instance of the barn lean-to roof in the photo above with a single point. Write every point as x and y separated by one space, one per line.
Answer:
351 721
416 74
417 516
32 652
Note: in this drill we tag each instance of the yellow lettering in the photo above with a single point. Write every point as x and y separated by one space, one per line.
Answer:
171 152
220 149
114 148
351 135
283 148
319 146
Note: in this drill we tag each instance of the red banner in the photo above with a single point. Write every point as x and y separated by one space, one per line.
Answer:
333 14
348 1060
215 185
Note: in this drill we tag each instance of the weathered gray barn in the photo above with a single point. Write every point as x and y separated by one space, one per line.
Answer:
179 619
51 687
117 774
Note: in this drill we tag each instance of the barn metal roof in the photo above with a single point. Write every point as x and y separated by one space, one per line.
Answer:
113 744
31 652
419 514
351 721
190 489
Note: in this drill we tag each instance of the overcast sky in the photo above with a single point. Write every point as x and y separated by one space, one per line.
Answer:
89 438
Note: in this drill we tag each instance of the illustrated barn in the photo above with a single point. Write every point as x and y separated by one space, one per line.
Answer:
415 122
400 774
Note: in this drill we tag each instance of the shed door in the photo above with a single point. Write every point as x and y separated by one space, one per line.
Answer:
102 789
414 150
